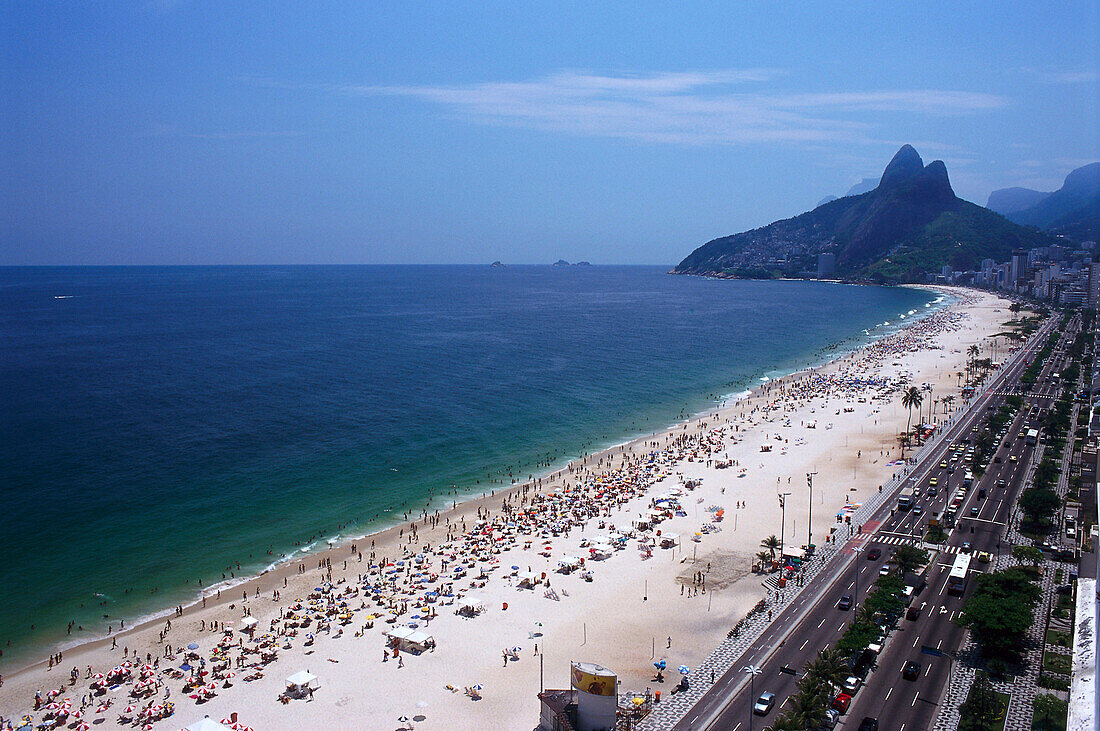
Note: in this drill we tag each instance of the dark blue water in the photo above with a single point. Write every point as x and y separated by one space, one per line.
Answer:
161 424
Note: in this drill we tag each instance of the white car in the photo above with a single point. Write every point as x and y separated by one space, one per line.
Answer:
852 684
764 703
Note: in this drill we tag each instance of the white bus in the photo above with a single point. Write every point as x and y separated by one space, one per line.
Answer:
956 580
1032 436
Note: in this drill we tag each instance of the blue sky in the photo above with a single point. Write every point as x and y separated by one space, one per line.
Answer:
165 132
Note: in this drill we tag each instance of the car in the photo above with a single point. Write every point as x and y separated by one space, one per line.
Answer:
931 492
841 702
917 509
885 570
911 670
997 459
943 464
1008 445
764 703
965 547
974 512
852 684
985 556
933 481
874 554
912 614
1001 483
845 602
868 724
1013 458
830 720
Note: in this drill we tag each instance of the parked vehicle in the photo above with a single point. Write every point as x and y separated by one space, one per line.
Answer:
764 703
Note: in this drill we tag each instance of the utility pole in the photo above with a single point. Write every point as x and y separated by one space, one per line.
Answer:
782 521
810 512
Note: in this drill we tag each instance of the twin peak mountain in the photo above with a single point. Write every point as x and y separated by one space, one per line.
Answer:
912 223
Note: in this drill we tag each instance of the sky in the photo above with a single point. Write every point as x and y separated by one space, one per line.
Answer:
175 132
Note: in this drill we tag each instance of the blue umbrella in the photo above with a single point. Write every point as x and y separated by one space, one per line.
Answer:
663 664
192 646
515 568
684 670
185 667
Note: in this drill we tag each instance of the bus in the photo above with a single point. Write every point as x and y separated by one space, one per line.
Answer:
1032 436
905 498
956 580
968 478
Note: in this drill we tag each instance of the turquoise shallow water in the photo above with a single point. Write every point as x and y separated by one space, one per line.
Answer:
162 425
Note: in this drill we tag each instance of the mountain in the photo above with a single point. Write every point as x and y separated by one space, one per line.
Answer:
864 186
910 224
1010 200
1073 210
826 199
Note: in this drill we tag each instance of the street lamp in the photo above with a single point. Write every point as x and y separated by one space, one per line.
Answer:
782 520
810 514
753 671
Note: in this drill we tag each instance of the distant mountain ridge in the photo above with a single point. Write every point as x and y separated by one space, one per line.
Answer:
1010 200
911 223
1073 210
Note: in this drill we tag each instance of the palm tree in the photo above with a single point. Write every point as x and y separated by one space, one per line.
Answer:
910 399
972 353
947 401
771 543
807 709
827 669
958 378
763 557
1015 308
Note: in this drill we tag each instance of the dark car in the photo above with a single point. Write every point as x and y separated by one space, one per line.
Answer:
912 614
911 670
874 554
868 724
845 602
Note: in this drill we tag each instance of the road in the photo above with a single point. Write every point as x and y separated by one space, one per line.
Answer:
812 622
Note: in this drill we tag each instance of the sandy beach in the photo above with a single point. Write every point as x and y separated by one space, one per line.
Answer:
630 604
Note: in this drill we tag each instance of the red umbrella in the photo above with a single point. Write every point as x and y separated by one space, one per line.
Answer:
129 709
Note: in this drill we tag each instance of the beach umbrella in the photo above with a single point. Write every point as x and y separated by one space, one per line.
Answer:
83 726
98 676
101 709
476 686
517 648
684 670
129 709
147 727
192 646
226 721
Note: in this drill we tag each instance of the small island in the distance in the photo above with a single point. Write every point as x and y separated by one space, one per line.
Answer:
564 263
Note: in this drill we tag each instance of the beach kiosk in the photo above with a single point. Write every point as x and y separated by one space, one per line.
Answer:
670 540
568 564
301 683
528 580
408 639
207 724
597 696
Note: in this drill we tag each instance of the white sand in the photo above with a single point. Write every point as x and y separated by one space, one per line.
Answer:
622 619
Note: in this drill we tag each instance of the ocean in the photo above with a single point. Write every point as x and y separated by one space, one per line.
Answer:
163 425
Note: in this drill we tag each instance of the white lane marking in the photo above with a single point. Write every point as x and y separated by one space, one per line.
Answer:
806 642
888 692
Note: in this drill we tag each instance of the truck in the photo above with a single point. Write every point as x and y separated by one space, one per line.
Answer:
905 498
968 478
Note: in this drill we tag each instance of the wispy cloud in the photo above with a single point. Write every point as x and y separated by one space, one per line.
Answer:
712 107
1061 76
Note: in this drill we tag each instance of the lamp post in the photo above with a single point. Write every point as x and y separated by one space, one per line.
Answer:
810 512
782 520
753 671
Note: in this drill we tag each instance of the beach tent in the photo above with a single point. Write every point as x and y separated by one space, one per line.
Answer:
409 639
301 680
568 563
249 622
472 603
207 724
668 540
530 578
